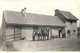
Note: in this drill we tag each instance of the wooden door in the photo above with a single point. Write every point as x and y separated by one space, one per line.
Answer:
17 33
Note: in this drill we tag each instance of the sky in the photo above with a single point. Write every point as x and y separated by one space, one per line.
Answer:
46 7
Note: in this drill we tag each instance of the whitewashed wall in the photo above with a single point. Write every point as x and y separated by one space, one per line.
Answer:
55 31
27 32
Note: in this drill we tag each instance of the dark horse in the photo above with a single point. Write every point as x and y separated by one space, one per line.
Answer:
45 33
42 34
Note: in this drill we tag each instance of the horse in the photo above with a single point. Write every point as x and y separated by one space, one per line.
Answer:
45 33
34 34
42 34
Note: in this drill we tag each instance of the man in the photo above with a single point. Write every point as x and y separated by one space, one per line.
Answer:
23 11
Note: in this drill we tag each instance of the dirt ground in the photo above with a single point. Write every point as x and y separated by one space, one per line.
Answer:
57 44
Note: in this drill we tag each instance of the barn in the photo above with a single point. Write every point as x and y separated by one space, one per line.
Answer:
15 25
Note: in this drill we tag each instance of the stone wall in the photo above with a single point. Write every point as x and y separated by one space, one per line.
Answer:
71 27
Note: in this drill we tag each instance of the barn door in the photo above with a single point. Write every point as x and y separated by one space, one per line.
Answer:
17 33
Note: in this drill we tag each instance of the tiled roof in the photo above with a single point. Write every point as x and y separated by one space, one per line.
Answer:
67 15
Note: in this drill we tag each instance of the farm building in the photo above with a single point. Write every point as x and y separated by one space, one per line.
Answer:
70 22
16 26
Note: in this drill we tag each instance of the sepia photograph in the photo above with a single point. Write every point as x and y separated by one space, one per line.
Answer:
39 25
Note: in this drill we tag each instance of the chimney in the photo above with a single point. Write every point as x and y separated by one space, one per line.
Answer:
56 12
23 11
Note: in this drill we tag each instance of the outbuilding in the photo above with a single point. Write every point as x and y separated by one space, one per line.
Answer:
70 21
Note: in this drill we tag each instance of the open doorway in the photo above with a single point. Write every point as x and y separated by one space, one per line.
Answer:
69 33
60 33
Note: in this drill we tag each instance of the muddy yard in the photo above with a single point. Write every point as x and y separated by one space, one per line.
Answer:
57 44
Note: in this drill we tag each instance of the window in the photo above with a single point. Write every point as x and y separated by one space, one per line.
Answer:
68 31
71 22
74 31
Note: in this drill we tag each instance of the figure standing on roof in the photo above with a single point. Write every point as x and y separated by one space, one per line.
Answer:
23 11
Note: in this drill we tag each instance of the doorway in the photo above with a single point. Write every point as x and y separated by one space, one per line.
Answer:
69 33
17 33
60 33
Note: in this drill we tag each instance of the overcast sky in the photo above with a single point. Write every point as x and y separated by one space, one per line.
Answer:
46 7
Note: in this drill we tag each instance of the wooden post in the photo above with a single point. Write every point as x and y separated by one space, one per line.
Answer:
50 33
14 33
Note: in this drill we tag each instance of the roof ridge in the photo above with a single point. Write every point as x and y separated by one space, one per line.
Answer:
67 12
32 19
27 12
62 13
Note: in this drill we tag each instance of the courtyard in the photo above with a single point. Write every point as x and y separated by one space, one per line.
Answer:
56 44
